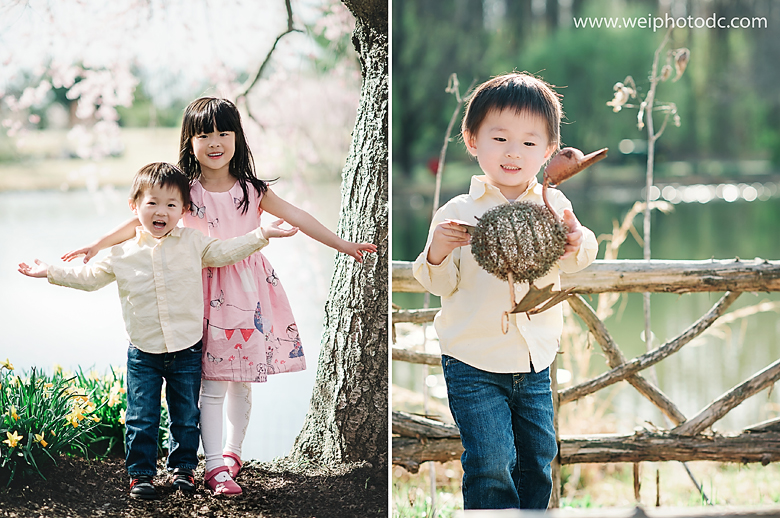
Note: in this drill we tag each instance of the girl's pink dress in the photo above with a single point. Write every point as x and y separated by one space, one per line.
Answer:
248 327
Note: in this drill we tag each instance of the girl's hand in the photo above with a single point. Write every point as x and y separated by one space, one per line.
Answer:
356 249
39 270
88 252
275 231
447 236
574 237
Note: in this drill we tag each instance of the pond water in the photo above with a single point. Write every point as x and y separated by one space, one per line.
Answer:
42 325
701 228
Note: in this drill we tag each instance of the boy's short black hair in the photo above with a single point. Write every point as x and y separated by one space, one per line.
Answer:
517 91
161 174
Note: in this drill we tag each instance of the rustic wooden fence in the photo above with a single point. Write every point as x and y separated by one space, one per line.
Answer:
418 439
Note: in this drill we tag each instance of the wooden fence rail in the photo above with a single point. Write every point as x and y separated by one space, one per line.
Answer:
417 439
648 276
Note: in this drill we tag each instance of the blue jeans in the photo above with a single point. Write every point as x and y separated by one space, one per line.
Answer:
507 430
145 373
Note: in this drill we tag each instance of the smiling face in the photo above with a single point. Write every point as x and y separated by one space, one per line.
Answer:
159 209
511 147
214 151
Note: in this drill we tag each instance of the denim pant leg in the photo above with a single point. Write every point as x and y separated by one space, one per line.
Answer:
480 404
534 431
182 378
142 419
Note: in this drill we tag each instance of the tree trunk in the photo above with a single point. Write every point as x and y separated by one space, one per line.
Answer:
347 418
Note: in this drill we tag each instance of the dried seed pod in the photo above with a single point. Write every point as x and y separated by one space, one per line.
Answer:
681 58
522 238
568 162
666 72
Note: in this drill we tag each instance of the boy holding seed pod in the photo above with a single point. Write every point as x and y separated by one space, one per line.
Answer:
497 368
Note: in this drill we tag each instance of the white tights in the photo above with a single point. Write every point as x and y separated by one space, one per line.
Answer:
239 408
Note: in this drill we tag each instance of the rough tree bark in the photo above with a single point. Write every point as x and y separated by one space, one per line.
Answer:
347 418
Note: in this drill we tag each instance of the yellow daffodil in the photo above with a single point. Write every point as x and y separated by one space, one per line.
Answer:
52 432
13 413
72 420
93 375
57 368
95 418
13 439
122 416
48 385
7 364
39 438
114 399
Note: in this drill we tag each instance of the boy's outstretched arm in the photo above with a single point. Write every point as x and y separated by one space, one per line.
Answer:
118 235
309 225
275 230
38 270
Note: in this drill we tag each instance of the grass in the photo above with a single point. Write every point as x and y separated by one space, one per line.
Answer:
588 486
44 160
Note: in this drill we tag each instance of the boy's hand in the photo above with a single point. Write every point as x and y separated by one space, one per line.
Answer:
88 252
574 237
275 231
39 270
356 249
447 236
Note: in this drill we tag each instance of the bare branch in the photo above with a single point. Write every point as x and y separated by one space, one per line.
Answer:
650 358
250 83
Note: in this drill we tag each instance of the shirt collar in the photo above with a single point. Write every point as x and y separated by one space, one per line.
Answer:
479 187
143 236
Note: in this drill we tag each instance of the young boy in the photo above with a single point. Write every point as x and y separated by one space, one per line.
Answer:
158 274
499 384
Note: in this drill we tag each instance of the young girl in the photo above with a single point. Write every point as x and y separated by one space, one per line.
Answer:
248 327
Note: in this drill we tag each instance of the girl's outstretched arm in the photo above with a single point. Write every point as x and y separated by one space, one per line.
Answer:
309 225
118 235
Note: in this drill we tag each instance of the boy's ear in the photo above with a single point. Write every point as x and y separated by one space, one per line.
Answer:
133 207
550 150
470 142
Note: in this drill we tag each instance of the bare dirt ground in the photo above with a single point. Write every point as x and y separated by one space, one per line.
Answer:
80 489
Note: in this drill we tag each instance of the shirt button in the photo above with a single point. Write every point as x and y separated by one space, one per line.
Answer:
158 274
162 298
523 328
165 324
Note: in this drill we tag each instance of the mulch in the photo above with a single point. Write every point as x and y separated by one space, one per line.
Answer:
79 488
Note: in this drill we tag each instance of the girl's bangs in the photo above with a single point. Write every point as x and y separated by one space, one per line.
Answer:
214 115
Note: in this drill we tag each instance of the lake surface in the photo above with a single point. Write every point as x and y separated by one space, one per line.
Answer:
42 325
701 226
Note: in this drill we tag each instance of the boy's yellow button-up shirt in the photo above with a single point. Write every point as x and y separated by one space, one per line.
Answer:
160 282
473 300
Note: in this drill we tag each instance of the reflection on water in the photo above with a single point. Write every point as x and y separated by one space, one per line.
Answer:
41 324
718 221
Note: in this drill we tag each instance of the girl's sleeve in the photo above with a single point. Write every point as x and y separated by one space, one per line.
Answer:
439 279
589 246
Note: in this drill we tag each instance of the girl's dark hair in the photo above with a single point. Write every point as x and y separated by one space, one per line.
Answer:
203 116
160 174
519 92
